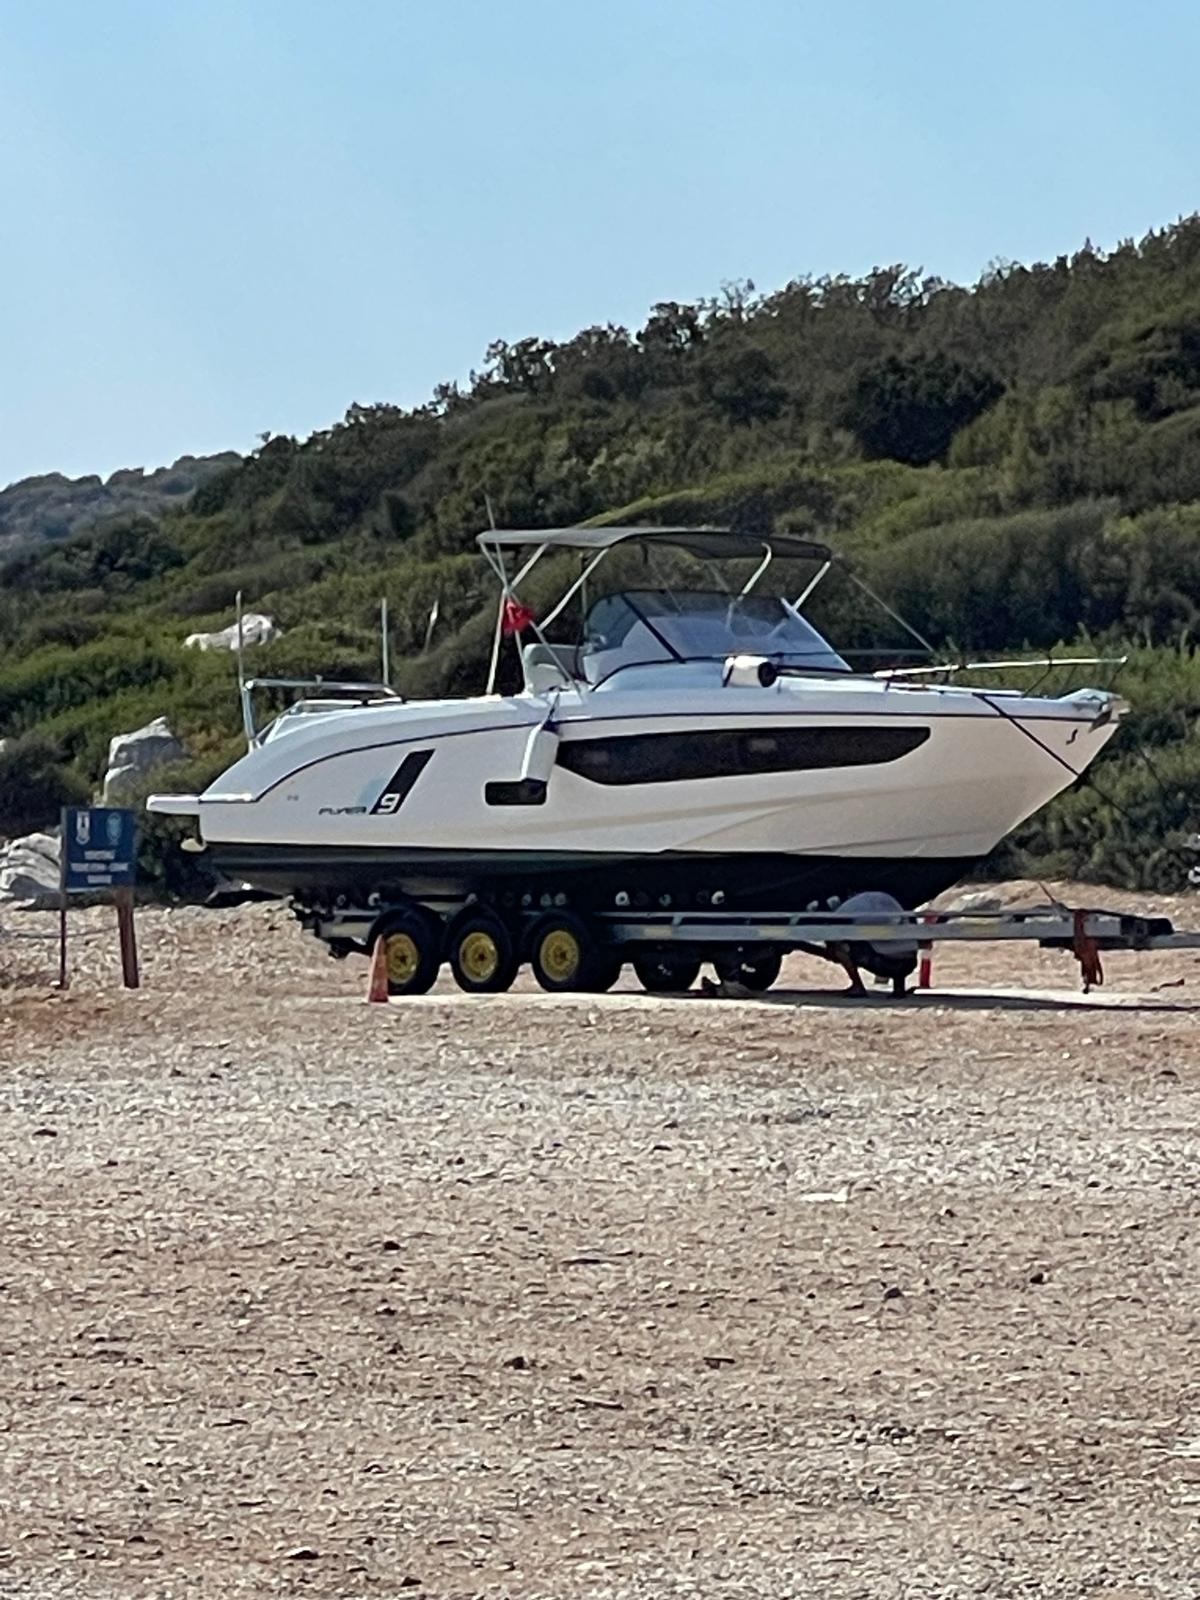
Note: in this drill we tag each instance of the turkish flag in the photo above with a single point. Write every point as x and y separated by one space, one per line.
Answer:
514 618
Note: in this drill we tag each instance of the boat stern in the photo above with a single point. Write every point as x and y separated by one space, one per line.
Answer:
174 805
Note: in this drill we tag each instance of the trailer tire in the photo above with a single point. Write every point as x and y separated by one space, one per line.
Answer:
757 970
666 974
413 949
883 963
565 957
483 954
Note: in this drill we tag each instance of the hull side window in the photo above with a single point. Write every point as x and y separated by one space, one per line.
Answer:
679 757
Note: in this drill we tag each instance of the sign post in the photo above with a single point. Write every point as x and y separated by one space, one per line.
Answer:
99 852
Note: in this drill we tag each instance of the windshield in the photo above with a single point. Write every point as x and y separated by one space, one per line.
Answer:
649 625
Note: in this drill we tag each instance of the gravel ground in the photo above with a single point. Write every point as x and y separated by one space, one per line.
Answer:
604 1296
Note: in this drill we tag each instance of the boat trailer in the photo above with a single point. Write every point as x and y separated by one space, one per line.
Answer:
897 938
1084 933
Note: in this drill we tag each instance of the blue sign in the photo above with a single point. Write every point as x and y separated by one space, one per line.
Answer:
99 848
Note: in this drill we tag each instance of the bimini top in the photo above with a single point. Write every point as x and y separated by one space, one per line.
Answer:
718 544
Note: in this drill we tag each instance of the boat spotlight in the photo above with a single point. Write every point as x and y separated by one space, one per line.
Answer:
749 672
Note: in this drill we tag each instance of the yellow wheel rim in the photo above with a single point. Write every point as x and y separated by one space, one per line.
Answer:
560 955
403 958
479 956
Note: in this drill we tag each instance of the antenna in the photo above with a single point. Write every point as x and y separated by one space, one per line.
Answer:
243 693
432 623
384 650
487 500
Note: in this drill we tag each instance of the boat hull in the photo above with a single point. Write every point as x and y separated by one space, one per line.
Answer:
774 799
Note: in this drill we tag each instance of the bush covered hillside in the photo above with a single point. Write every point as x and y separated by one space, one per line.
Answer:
1015 465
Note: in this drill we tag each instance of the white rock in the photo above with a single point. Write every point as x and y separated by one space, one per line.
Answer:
132 755
975 900
29 871
256 629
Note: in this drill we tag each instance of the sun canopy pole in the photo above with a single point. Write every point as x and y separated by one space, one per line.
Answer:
575 588
762 566
811 585
497 635
494 556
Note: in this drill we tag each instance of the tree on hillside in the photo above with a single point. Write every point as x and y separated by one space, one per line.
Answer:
742 385
671 334
524 366
909 408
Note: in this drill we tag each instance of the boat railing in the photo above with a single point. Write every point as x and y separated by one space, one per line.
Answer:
914 677
330 693
898 677
323 695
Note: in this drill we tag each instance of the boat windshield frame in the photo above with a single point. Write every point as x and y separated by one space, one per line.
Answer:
668 616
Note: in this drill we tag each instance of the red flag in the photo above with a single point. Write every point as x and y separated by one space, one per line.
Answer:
514 618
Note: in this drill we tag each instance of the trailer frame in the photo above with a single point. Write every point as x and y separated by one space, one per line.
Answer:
827 934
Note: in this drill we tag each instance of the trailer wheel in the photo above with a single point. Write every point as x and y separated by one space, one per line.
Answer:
565 957
757 972
666 974
483 955
413 949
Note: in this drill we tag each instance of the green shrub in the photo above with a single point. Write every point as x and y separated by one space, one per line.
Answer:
34 786
164 867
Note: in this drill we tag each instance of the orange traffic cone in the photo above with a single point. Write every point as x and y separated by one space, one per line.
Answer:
377 987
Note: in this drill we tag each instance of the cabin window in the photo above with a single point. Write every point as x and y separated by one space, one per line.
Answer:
678 757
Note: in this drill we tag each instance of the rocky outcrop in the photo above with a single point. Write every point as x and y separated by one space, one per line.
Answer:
256 629
29 871
132 755
53 506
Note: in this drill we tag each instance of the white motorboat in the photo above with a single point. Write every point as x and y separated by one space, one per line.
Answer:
691 748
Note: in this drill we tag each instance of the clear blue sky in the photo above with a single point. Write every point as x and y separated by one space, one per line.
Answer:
221 218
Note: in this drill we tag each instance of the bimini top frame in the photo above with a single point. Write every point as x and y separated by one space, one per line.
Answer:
717 544
706 544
